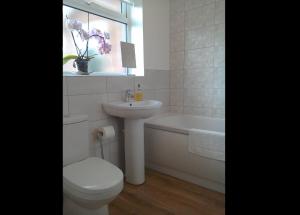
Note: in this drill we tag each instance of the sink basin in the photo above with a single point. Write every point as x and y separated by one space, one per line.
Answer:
132 110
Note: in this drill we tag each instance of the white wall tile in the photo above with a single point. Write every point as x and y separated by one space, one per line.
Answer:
197 98
176 109
107 152
157 79
199 38
219 77
116 157
176 97
176 22
163 109
197 87
199 58
118 84
65 106
218 102
153 79
220 34
120 96
65 91
200 111
88 104
176 6
115 149
218 96
149 94
219 56
199 78
162 78
163 95
176 79
177 41
218 112
220 12
84 85
199 17
176 60
191 4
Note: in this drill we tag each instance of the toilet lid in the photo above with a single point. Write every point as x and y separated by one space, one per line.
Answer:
92 175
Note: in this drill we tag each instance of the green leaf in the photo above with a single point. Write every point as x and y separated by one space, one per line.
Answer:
69 57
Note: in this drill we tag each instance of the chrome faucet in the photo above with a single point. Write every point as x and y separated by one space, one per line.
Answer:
129 95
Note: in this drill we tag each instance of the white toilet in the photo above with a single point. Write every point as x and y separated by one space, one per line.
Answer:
89 183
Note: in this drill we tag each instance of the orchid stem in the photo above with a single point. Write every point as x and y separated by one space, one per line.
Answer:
77 49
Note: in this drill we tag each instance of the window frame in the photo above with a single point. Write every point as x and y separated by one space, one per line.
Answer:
96 10
123 17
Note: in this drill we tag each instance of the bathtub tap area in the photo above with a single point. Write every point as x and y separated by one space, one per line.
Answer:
168 148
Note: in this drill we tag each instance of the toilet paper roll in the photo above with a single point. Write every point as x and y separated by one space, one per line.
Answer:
107 132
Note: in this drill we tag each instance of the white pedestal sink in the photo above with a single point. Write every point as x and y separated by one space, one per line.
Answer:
134 114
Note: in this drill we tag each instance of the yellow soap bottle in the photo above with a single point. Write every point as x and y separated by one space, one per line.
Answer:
139 95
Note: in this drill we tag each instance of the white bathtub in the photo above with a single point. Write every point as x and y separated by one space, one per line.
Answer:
166 149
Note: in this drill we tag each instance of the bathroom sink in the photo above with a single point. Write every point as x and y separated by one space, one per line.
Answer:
132 110
134 114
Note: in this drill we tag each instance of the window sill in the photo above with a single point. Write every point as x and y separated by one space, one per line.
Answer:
106 74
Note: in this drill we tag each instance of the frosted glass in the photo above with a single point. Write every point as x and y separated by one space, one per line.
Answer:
111 62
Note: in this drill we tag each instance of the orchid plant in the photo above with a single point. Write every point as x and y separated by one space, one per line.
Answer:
82 55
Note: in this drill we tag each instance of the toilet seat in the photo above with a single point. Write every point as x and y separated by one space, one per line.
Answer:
92 179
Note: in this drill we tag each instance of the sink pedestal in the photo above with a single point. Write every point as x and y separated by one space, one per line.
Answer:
134 151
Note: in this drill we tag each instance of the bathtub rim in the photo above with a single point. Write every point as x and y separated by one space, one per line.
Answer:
182 130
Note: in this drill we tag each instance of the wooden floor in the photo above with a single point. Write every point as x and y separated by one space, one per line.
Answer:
162 194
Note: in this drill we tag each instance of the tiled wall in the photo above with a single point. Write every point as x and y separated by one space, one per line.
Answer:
84 95
197 53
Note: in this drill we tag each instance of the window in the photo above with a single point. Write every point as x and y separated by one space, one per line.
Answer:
107 63
114 17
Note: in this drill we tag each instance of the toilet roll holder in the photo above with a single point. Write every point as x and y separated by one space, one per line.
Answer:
100 134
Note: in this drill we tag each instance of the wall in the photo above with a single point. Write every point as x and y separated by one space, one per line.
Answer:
197 53
85 94
156 34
